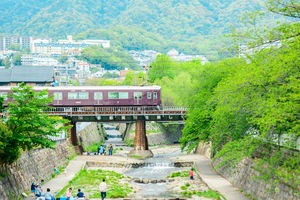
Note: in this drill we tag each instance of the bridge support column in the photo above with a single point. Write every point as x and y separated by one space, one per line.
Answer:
140 141
73 136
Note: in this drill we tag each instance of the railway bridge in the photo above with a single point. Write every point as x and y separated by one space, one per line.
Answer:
127 114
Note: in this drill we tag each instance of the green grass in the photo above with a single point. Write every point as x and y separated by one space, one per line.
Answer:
93 147
179 174
211 194
129 142
89 180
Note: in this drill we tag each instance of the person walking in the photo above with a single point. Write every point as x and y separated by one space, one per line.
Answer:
192 174
110 150
103 188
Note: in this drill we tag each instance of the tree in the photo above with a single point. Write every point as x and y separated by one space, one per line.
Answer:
290 8
1 104
9 149
31 126
162 67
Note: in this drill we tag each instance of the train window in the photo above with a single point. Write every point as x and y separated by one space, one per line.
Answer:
148 95
4 95
123 95
154 95
83 95
78 95
113 95
98 95
72 95
118 95
57 95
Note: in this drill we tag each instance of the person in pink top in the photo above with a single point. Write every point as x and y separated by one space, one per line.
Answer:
192 174
69 193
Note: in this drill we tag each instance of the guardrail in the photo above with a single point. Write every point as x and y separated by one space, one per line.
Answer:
129 110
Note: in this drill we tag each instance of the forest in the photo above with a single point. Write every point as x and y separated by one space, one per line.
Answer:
247 106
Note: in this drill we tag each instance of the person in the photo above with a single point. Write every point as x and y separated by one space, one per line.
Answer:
192 174
42 182
103 188
56 170
32 187
38 191
48 195
101 151
69 193
80 195
110 150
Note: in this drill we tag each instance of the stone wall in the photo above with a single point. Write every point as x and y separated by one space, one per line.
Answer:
39 163
169 134
91 134
32 166
247 178
204 149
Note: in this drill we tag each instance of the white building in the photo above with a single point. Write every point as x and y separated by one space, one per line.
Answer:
68 46
174 54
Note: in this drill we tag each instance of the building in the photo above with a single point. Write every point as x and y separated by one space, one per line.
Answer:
174 54
38 60
6 42
31 75
67 47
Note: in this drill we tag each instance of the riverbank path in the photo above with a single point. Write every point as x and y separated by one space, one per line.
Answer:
212 178
203 165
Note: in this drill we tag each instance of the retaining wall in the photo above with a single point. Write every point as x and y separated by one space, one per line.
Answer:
245 177
32 166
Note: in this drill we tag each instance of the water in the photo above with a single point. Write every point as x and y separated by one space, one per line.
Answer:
156 168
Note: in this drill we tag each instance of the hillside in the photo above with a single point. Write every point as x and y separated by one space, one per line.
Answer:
158 24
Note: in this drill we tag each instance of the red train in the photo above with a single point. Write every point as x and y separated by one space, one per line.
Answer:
77 96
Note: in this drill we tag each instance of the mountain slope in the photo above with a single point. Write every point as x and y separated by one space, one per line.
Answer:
172 18
189 25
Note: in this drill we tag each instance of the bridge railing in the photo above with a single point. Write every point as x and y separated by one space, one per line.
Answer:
130 110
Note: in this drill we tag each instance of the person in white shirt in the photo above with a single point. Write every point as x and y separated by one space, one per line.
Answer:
103 188
48 195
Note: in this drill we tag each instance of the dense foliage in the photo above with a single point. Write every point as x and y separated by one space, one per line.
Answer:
31 126
246 106
27 125
110 59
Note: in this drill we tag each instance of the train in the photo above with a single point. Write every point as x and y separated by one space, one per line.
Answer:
80 96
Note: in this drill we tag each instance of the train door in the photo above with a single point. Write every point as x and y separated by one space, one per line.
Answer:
137 98
155 98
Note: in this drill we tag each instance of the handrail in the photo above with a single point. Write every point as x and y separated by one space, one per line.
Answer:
128 110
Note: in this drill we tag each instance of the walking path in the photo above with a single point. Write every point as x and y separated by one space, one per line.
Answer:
215 181
203 165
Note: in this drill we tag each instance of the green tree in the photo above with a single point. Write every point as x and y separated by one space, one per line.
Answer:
135 78
162 67
1 104
31 126
9 149
290 8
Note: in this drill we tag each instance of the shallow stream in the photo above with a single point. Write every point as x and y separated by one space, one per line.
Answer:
156 168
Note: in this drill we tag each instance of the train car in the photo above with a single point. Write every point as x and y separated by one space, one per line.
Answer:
79 96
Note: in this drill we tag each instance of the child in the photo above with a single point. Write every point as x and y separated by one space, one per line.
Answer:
192 174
